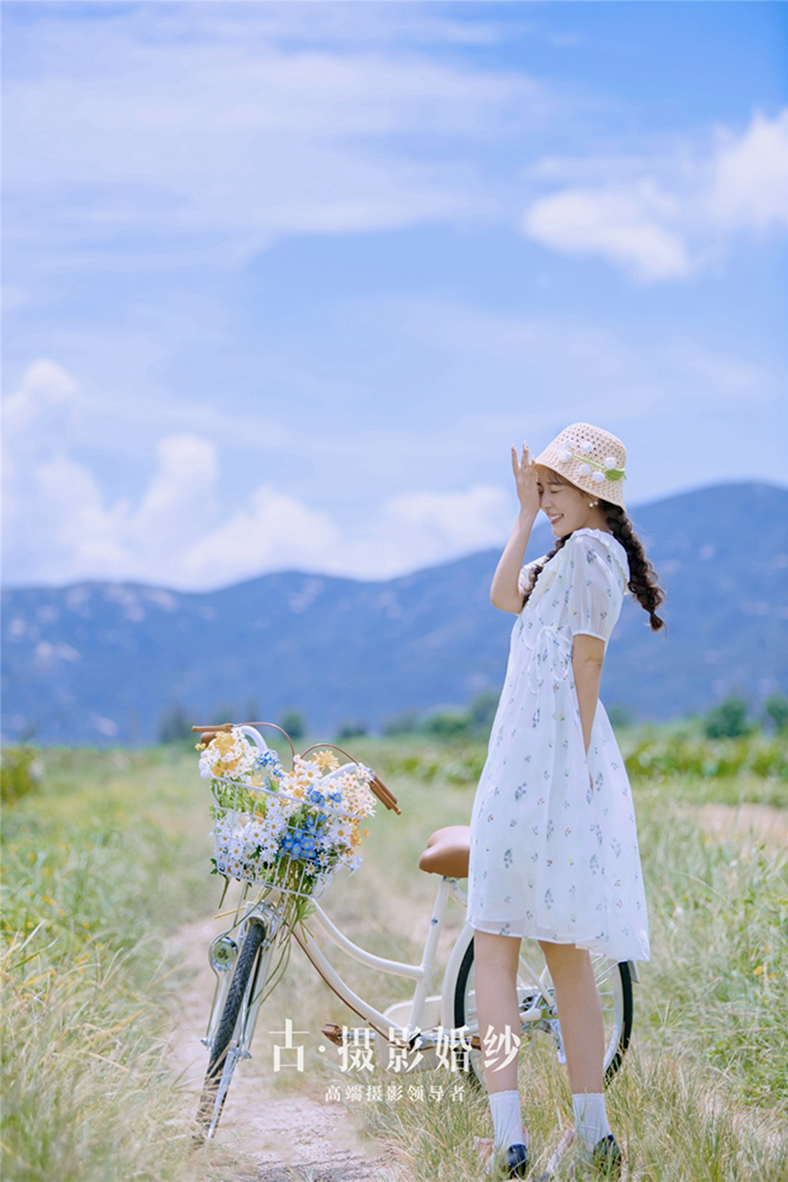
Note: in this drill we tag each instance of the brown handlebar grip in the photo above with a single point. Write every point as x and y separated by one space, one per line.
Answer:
383 794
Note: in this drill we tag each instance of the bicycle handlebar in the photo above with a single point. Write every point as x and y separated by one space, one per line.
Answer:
209 733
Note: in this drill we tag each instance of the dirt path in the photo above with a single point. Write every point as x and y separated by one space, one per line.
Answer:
758 822
264 1136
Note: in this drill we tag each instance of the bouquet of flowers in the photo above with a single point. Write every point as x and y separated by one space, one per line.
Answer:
286 830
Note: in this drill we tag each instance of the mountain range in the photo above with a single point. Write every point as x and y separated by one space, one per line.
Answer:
102 662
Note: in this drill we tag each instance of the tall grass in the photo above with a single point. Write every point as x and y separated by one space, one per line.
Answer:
112 852
96 868
703 1093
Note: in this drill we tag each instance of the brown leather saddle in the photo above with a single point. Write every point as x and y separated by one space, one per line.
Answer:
447 852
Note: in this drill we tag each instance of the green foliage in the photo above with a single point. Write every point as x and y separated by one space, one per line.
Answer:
620 717
293 722
224 714
728 720
776 711
174 726
21 773
482 713
447 724
731 770
406 723
669 754
448 761
352 730
451 724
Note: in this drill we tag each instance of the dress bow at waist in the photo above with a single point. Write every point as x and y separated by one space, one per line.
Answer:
550 654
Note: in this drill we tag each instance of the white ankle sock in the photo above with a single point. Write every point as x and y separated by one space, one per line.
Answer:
507 1121
590 1117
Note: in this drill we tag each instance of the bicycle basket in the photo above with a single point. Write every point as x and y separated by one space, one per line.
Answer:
289 831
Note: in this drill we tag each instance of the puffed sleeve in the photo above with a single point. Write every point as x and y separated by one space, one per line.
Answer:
597 585
524 579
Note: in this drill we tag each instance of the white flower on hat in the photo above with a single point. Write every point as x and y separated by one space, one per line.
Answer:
598 477
565 455
583 470
611 462
586 448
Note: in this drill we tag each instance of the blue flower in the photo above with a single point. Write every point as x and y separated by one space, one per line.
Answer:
301 843
269 762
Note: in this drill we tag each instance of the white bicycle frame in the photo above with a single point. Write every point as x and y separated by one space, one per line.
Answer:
415 1022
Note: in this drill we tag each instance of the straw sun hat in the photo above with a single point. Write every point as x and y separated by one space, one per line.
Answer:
589 458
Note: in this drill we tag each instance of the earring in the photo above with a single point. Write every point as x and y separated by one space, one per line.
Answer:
593 504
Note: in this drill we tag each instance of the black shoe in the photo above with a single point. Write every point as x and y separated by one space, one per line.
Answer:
606 1157
516 1161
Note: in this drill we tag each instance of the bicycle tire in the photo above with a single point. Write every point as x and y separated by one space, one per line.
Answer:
207 1113
617 1005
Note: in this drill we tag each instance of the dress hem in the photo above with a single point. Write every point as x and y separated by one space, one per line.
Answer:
590 945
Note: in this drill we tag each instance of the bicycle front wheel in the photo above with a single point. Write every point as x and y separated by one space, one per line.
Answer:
614 984
223 1057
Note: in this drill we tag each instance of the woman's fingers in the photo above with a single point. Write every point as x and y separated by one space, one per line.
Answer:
522 460
525 477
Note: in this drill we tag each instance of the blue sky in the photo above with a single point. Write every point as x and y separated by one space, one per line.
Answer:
282 283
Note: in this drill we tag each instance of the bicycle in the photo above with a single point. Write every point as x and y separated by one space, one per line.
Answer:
441 1027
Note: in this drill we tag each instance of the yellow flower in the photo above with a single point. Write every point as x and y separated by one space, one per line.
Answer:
224 742
326 761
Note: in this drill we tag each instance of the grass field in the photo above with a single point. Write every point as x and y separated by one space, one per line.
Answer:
110 855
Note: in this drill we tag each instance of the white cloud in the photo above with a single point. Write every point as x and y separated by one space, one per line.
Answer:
750 176
274 531
72 527
179 503
622 225
359 507
60 527
220 144
44 387
428 527
660 229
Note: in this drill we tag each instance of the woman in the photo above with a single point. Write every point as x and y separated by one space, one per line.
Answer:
554 852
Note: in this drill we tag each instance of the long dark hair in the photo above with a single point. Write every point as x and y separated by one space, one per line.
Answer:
642 576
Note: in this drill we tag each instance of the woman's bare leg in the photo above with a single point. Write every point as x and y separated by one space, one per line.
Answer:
495 963
580 1012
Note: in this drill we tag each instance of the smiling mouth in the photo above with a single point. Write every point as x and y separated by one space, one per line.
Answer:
553 520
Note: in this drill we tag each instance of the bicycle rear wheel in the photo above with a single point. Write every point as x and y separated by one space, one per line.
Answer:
614 983
224 1047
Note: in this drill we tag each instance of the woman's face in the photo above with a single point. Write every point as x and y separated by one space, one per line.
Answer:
566 507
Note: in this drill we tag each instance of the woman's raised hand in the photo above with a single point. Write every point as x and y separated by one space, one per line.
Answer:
525 478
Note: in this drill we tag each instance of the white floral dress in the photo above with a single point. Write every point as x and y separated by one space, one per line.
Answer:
553 857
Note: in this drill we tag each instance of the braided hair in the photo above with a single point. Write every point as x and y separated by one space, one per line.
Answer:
642 576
